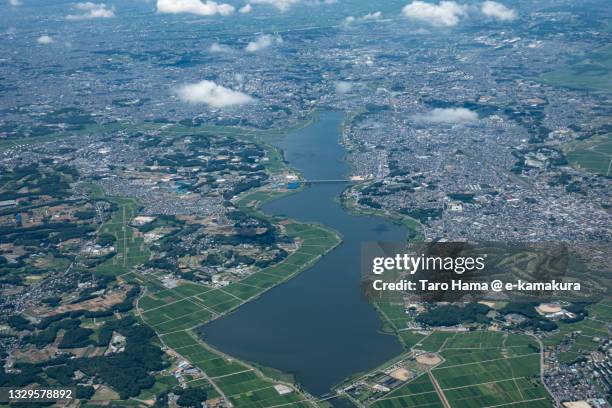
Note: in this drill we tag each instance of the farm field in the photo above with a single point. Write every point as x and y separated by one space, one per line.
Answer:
593 155
393 314
130 248
238 382
480 369
583 332
419 392
590 74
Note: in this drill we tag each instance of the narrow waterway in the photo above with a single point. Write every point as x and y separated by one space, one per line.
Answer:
316 326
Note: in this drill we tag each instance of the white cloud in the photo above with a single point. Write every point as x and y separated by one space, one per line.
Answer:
15 3
497 11
247 8
209 93
448 115
282 5
372 16
446 13
343 87
91 10
45 39
262 42
218 48
207 8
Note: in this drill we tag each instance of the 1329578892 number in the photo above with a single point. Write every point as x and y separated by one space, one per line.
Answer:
35 394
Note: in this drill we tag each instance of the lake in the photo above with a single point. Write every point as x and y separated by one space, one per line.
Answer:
315 326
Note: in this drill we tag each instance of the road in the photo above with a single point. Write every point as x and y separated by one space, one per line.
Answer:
557 403
438 390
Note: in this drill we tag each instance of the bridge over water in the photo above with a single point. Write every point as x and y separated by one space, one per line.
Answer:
321 181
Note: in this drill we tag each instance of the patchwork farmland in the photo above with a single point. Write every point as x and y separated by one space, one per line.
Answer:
174 313
472 369
480 369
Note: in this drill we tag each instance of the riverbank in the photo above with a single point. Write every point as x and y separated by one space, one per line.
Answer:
413 226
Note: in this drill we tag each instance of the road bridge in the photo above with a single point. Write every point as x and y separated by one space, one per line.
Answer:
321 181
